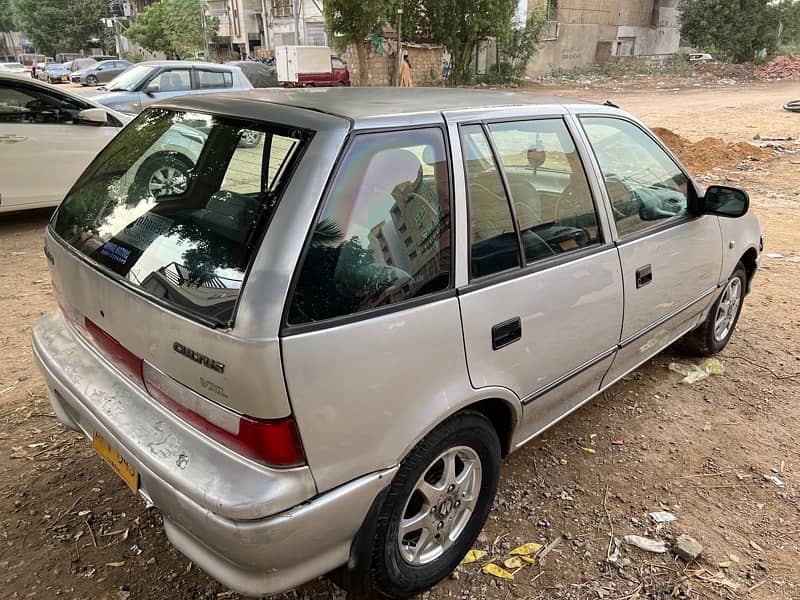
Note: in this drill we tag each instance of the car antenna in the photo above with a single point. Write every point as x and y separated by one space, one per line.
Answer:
610 103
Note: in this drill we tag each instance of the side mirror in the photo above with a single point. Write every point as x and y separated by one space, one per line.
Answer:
724 201
97 116
152 88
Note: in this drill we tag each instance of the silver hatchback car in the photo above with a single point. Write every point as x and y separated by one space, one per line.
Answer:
311 353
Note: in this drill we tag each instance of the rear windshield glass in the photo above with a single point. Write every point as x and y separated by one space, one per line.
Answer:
174 205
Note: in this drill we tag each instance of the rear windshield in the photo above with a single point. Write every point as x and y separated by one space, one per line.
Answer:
176 203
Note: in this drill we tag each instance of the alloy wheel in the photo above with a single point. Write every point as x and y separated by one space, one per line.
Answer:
440 505
728 309
167 181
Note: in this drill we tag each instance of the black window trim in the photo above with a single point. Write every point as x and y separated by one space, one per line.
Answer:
288 329
306 137
603 244
656 227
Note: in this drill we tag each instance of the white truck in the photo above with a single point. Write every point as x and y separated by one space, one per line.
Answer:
310 66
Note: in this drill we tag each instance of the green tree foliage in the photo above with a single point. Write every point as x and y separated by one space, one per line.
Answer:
6 16
734 29
352 22
519 43
173 27
790 16
456 24
60 26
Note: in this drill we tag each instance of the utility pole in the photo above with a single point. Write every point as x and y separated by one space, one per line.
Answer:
399 44
296 11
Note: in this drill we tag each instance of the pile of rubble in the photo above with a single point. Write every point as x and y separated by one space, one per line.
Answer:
705 155
781 67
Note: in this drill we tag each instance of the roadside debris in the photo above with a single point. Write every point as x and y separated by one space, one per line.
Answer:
495 571
663 516
774 479
704 155
687 548
473 556
694 373
781 67
646 544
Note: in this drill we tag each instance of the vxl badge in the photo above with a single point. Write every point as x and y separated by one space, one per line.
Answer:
202 359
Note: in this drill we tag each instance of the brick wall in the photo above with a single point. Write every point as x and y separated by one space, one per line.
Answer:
426 64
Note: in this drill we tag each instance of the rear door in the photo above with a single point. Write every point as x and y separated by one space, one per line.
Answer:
671 260
43 146
542 309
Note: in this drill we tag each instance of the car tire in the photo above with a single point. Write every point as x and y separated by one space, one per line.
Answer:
91 80
171 171
447 485
716 331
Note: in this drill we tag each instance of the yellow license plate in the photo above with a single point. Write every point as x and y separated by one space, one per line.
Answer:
63 79
121 466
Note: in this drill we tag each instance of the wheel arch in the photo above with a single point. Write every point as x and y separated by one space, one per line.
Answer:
750 262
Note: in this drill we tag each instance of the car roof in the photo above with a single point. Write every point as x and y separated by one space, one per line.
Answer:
186 63
369 104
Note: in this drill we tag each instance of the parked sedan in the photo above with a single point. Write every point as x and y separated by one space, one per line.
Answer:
151 81
102 72
53 73
313 354
13 67
41 126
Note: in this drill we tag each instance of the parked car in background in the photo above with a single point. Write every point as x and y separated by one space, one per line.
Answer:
341 331
52 73
12 67
310 66
47 137
101 72
259 74
152 81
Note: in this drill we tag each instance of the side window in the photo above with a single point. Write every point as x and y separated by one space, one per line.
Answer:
213 79
494 246
176 80
19 104
548 185
384 233
644 184
337 63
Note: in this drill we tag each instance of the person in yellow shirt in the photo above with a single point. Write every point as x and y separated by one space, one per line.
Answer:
405 73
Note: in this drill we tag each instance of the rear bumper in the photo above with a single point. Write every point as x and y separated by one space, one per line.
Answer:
213 502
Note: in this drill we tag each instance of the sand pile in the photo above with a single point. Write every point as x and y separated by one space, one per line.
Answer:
703 156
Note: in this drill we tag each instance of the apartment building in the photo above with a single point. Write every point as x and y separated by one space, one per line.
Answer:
581 33
250 27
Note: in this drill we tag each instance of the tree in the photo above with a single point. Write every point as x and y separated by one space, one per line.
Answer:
519 43
60 26
174 27
734 29
352 22
459 25
6 26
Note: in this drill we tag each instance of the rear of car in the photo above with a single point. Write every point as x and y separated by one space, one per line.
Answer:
164 352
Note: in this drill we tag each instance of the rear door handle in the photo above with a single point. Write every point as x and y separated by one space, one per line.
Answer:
644 276
506 333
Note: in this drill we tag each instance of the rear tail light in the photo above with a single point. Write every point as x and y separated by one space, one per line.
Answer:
122 358
272 442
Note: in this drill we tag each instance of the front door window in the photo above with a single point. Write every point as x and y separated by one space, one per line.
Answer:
645 186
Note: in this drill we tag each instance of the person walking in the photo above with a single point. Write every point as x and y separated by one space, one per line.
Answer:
405 72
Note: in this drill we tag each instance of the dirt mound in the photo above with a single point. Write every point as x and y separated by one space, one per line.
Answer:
703 156
712 70
782 67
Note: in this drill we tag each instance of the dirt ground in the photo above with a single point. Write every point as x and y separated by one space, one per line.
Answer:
69 528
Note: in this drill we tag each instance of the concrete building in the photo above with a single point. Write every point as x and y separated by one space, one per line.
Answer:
255 27
581 33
